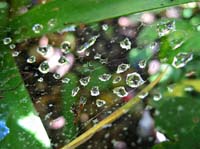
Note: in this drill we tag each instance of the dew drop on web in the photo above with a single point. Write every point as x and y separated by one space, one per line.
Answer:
181 59
84 81
75 91
94 91
120 91
44 67
125 44
134 80
105 77
7 40
100 103
37 28
122 68
31 59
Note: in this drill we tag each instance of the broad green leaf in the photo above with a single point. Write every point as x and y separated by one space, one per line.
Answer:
56 14
26 128
179 119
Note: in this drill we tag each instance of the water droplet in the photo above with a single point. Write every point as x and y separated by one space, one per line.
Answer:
12 46
165 27
117 79
157 96
120 91
31 59
104 61
100 103
84 81
15 53
181 59
63 60
88 44
105 77
94 91
65 80
40 79
134 80
125 44
75 91
83 100
65 46
97 56
105 27
44 67
52 23
7 40
43 50
56 76
143 95
37 28
142 64
122 68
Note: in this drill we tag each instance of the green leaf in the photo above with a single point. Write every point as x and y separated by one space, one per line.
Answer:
179 119
70 129
26 129
62 12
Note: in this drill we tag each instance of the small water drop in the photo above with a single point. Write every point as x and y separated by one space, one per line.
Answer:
134 80
43 50
88 44
84 81
52 23
63 60
143 95
7 40
15 53
94 91
105 27
100 103
37 28
104 60
56 76
105 77
44 67
97 56
40 79
117 79
142 64
83 100
120 91
75 91
157 96
12 46
125 44
65 47
181 59
165 27
65 80
31 59
122 68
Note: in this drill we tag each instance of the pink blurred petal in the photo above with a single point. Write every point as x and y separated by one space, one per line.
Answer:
57 123
43 41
